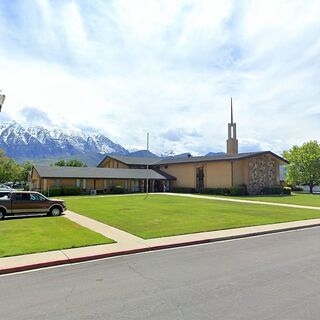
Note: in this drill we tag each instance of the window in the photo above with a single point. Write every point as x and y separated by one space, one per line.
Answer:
4 195
78 183
36 197
84 184
199 179
22 196
107 185
136 187
58 182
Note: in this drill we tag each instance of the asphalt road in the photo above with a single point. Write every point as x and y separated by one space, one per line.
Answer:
271 277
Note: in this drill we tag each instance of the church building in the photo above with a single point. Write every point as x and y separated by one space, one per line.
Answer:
255 170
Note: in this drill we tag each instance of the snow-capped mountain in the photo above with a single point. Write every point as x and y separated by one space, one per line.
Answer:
36 142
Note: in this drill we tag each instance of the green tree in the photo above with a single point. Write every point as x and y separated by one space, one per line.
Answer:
60 163
304 166
9 169
25 168
70 163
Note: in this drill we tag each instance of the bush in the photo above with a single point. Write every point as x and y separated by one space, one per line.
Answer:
54 192
216 191
118 190
238 191
276 190
183 190
71 191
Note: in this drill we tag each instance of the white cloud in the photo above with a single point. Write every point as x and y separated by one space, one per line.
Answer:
128 67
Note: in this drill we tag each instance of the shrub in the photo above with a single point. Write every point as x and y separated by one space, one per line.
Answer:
238 191
183 190
276 190
54 192
216 191
118 190
71 191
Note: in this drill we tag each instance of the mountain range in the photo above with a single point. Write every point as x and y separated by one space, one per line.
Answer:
46 145
40 144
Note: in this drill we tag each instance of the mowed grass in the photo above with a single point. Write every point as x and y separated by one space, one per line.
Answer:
159 215
39 234
312 200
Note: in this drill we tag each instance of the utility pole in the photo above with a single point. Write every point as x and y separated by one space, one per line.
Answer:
147 187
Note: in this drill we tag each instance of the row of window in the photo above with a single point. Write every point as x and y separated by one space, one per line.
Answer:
107 184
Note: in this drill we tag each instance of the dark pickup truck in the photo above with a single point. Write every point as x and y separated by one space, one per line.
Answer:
24 202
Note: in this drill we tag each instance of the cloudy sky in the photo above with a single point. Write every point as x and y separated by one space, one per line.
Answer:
126 67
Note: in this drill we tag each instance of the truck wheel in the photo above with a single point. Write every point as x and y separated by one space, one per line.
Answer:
55 211
1 215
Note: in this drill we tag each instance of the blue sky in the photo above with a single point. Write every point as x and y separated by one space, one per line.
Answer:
168 67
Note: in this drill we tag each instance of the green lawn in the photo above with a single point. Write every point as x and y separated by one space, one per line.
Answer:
39 234
296 198
160 215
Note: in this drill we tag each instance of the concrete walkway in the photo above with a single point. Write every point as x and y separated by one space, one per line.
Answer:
104 229
214 198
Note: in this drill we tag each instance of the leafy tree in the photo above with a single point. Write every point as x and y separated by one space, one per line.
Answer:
70 163
25 168
9 169
60 163
304 166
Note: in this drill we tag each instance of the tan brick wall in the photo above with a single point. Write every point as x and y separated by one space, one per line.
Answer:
216 174
240 172
185 174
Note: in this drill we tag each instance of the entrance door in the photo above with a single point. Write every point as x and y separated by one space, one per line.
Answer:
199 179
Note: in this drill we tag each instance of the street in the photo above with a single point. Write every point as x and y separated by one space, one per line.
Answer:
269 277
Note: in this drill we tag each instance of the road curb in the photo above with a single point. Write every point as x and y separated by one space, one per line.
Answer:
69 261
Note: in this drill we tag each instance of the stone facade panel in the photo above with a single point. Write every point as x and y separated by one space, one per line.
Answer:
262 173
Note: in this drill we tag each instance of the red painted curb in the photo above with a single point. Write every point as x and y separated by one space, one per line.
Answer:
154 248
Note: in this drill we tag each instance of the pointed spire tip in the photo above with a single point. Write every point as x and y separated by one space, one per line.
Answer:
231 112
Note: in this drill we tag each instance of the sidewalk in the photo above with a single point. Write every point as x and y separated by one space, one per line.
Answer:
216 198
128 243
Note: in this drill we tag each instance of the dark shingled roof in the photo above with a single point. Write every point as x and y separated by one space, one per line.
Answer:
133 160
224 157
99 173
164 161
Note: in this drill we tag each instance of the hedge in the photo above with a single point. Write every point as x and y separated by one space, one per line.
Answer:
71 191
238 191
216 191
276 190
118 190
183 190
62 191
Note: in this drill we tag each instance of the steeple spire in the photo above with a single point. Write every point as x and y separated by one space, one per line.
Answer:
231 112
232 142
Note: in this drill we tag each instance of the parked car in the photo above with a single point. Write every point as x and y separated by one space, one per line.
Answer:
24 202
4 187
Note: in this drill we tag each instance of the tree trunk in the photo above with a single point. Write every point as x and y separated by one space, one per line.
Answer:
311 188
